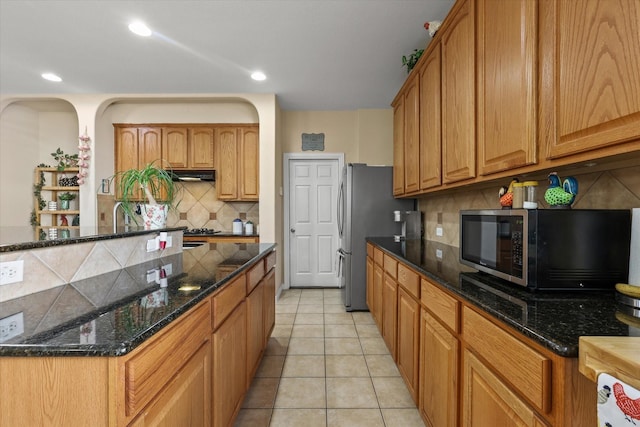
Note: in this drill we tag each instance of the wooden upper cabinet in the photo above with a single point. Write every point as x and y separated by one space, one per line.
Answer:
458 95
175 146
412 135
430 119
135 147
591 74
200 148
506 37
249 164
227 166
398 146
150 146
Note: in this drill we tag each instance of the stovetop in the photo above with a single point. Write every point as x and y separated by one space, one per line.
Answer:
200 232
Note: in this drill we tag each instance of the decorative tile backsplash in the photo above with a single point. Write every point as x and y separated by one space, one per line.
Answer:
613 189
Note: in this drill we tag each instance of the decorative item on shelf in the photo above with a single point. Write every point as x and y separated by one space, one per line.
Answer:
76 221
65 198
84 155
155 182
432 27
64 160
68 181
53 206
506 195
530 195
561 195
64 222
411 60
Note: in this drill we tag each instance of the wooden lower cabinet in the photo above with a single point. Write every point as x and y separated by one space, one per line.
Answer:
439 358
408 335
255 330
229 367
269 304
390 313
369 297
378 281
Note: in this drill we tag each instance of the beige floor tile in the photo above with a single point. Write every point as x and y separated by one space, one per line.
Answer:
373 346
338 319
270 367
262 393
298 346
286 308
282 331
333 300
289 299
346 366
312 292
305 300
342 346
402 418
350 393
301 393
392 392
285 318
311 308
253 418
332 292
340 331
277 346
334 308
381 365
299 417
354 418
367 331
307 331
363 317
304 366
309 319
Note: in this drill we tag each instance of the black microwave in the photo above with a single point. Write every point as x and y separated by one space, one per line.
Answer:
549 249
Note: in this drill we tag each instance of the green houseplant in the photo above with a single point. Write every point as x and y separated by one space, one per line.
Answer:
159 193
65 198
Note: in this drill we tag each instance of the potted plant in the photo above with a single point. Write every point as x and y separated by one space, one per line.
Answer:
159 193
65 198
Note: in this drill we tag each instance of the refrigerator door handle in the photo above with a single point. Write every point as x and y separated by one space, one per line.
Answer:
339 261
340 208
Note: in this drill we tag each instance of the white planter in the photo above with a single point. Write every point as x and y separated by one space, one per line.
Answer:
154 216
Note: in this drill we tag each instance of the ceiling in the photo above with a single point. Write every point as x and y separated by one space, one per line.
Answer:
317 54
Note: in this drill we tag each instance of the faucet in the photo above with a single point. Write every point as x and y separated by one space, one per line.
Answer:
115 218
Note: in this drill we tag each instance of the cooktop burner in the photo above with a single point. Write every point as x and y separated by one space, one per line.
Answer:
200 231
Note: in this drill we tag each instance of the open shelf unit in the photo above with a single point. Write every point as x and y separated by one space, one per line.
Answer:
46 219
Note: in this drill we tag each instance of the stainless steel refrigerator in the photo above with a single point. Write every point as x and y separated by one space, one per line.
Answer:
365 209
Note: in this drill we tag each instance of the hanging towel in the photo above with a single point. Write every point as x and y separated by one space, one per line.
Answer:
618 403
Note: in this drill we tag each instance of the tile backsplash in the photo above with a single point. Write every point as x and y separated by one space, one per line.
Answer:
613 189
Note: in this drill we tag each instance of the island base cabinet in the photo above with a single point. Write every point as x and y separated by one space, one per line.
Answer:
186 400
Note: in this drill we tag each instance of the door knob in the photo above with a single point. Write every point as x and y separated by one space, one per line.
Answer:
293 230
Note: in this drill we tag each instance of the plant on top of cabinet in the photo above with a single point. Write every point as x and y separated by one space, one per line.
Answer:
65 160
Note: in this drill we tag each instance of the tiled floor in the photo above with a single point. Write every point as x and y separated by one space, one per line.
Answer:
326 367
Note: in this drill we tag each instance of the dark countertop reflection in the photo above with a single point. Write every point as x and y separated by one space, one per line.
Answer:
554 319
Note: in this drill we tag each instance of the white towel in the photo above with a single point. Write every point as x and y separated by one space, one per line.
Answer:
618 403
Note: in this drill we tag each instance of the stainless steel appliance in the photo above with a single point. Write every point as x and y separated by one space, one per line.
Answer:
365 209
559 249
411 224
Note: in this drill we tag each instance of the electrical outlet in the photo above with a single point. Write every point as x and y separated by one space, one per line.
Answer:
439 253
153 245
11 326
11 272
439 231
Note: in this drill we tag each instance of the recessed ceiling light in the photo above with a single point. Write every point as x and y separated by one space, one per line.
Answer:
258 76
51 77
140 28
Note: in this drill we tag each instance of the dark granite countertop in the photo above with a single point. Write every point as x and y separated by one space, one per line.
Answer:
111 314
554 319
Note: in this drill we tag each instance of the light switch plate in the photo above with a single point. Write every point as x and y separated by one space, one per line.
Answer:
439 253
11 272
439 231
153 245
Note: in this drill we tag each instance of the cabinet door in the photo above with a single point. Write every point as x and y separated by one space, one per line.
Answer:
175 147
229 366
226 159
591 82
126 152
389 313
412 135
249 164
150 146
506 79
378 283
458 95
439 355
269 304
488 402
408 334
398 147
370 284
186 400
430 120
201 148
255 329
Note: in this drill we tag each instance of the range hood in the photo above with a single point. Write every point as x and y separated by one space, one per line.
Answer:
194 175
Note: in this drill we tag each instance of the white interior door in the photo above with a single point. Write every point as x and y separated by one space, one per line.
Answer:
313 228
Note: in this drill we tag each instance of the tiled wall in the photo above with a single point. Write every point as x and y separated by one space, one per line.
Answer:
614 189
48 268
199 207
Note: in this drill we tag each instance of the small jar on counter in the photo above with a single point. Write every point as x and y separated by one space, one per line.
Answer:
530 195
518 195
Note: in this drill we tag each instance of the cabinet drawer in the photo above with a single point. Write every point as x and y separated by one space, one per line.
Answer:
152 366
528 371
370 250
227 299
255 274
409 280
378 256
445 307
390 266
271 261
